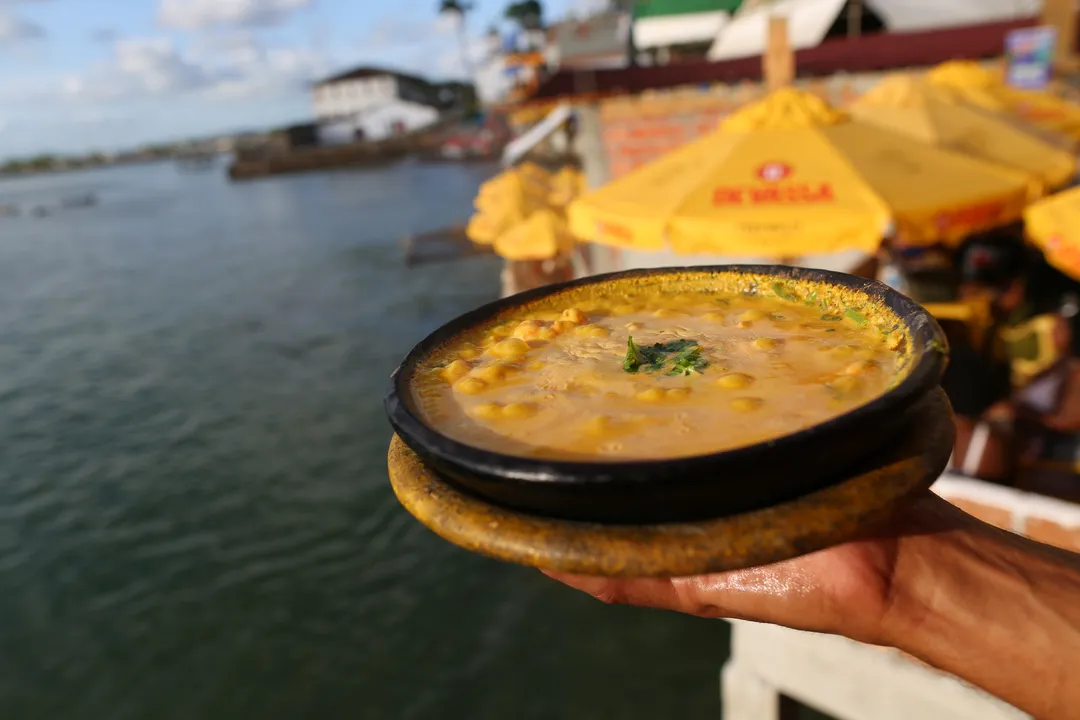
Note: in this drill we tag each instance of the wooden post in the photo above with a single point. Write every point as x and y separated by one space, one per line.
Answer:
854 18
778 64
778 68
1061 15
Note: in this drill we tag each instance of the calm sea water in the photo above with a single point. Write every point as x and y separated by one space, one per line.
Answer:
195 520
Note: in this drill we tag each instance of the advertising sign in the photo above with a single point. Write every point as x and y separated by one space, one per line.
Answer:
1029 55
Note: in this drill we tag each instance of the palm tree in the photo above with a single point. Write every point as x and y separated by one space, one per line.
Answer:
457 11
529 14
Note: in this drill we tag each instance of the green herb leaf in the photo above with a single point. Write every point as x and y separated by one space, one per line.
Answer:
675 346
783 293
831 318
684 354
811 298
688 361
635 358
856 316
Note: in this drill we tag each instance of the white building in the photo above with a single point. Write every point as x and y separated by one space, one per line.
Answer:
374 104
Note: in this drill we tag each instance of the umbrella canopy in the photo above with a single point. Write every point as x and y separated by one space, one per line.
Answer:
542 236
984 87
939 116
511 188
1054 225
566 185
790 175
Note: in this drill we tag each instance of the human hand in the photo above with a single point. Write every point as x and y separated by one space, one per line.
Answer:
996 609
851 589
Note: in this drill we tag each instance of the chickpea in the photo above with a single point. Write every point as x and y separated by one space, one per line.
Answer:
488 411
495 372
593 331
527 330
511 347
468 352
575 316
746 404
766 344
678 393
752 316
471 386
456 370
653 394
735 381
563 326
519 411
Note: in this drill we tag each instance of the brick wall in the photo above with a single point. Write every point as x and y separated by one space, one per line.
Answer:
641 128
1048 520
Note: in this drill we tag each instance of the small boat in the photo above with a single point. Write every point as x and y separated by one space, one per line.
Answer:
79 201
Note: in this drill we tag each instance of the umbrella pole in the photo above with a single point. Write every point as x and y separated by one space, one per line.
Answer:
778 63
778 70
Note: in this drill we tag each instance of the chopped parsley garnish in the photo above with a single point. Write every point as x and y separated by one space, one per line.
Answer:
682 357
831 318
783 293
855 315
688 362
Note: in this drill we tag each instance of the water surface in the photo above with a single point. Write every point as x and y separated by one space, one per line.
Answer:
195 520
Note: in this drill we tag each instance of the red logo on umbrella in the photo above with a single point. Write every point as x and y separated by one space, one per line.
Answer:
774 171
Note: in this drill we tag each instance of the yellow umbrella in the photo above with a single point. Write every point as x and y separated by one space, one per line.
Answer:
510 191
542 236
789 175
986 88
1054 225
937 115
485 227
566 185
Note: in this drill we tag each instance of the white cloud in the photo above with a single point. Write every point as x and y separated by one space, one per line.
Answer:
201 14
585 8
154 68
429 47
15 29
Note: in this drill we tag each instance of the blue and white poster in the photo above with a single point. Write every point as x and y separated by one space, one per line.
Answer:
1029 56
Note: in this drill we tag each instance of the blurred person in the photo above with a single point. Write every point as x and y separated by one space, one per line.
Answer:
1033 342
996 609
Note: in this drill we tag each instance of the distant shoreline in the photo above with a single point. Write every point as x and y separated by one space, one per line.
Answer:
32 172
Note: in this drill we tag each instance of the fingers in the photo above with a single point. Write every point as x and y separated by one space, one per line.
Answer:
644 592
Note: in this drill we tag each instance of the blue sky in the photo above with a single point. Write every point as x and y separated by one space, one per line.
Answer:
77 75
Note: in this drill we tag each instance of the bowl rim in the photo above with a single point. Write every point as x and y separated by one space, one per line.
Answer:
930 357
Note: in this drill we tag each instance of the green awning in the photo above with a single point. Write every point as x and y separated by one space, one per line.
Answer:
661 8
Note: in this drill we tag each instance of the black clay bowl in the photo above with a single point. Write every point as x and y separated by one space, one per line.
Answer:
684 488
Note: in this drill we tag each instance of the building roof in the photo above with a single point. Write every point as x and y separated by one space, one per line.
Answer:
746 35
368 71
884 51
603 34
810 21
659 8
